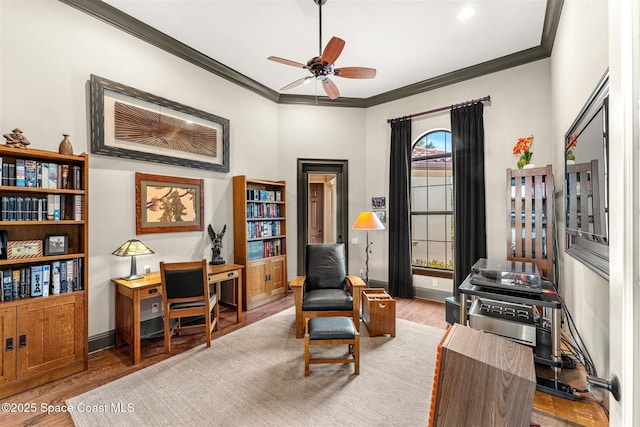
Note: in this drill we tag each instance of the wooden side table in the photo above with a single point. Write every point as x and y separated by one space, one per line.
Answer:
379 312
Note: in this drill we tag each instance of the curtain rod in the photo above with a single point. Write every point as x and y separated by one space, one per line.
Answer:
450 107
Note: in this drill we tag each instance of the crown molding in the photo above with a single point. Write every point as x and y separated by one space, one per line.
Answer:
139 29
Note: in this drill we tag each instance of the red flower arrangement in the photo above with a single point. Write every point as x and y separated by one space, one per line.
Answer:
570 146
523 149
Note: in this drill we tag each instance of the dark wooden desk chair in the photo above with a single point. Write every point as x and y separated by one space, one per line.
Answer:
326 290
186 293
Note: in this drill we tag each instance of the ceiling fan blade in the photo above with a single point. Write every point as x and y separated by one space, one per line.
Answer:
332 50
355 72
287 62
330 89
297 83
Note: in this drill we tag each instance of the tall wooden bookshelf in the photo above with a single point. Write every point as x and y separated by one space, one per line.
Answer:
530 225
43 338
259 238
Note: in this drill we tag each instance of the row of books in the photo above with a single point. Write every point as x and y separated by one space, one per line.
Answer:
264 249
263 229
53 207
264 195
263 210
42 280
35 174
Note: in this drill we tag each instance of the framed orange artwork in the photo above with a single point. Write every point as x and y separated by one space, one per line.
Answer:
167 204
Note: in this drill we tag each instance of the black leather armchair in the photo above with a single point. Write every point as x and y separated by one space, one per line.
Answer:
326 290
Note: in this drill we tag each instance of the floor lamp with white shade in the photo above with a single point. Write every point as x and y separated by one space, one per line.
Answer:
367 221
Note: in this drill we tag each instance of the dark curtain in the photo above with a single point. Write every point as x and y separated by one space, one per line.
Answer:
400 276
467 135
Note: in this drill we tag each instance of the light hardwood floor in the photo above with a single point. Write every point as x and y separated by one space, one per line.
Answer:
110 364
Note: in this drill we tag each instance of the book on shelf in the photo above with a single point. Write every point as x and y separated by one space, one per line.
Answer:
77 177
5 174
63 206
63 176
30 175
63 277
55 278
80 273
42 209
20 177
25 281
46 279
53 175
15 274
26 208
39 174
77 207
71 276
4 202
36 280
18 209
12 175
7 285
53 207
12 208
45 175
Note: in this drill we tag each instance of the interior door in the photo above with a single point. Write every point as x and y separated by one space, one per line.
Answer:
339 205
316 212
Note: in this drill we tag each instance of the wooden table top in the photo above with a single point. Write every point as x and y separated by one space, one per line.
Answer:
153 278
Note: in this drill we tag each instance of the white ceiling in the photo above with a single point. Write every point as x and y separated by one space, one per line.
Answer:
407 41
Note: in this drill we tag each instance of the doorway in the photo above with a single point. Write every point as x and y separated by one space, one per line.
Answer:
323 204
321 208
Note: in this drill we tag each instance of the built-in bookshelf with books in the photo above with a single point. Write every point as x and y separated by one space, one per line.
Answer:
259 224
43 266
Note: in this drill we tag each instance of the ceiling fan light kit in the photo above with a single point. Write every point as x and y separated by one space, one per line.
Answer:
322 66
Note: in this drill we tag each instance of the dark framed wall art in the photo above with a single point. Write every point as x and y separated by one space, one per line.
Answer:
167 204
130 123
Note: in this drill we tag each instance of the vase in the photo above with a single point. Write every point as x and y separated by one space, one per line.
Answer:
65 146
571 162
529 166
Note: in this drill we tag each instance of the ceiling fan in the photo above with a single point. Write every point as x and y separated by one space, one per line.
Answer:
322 66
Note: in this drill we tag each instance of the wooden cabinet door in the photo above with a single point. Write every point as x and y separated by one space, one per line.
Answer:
50 333
9 345
276 275
256 283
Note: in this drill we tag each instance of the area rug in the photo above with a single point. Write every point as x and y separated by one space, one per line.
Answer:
255 377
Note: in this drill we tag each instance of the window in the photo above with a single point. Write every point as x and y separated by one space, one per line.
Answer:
432 201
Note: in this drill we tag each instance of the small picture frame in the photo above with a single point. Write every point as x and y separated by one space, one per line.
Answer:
378 203
24 249
56 244
382 215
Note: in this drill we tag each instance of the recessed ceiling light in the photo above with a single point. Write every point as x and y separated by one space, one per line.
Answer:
466 13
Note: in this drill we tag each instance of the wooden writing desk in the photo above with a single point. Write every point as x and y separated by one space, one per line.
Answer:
130 293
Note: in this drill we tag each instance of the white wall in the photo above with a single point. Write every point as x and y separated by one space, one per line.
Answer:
48 52
520 106
579 59
312 132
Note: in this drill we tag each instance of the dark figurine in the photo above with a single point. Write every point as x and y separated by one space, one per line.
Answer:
16 139
216 239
